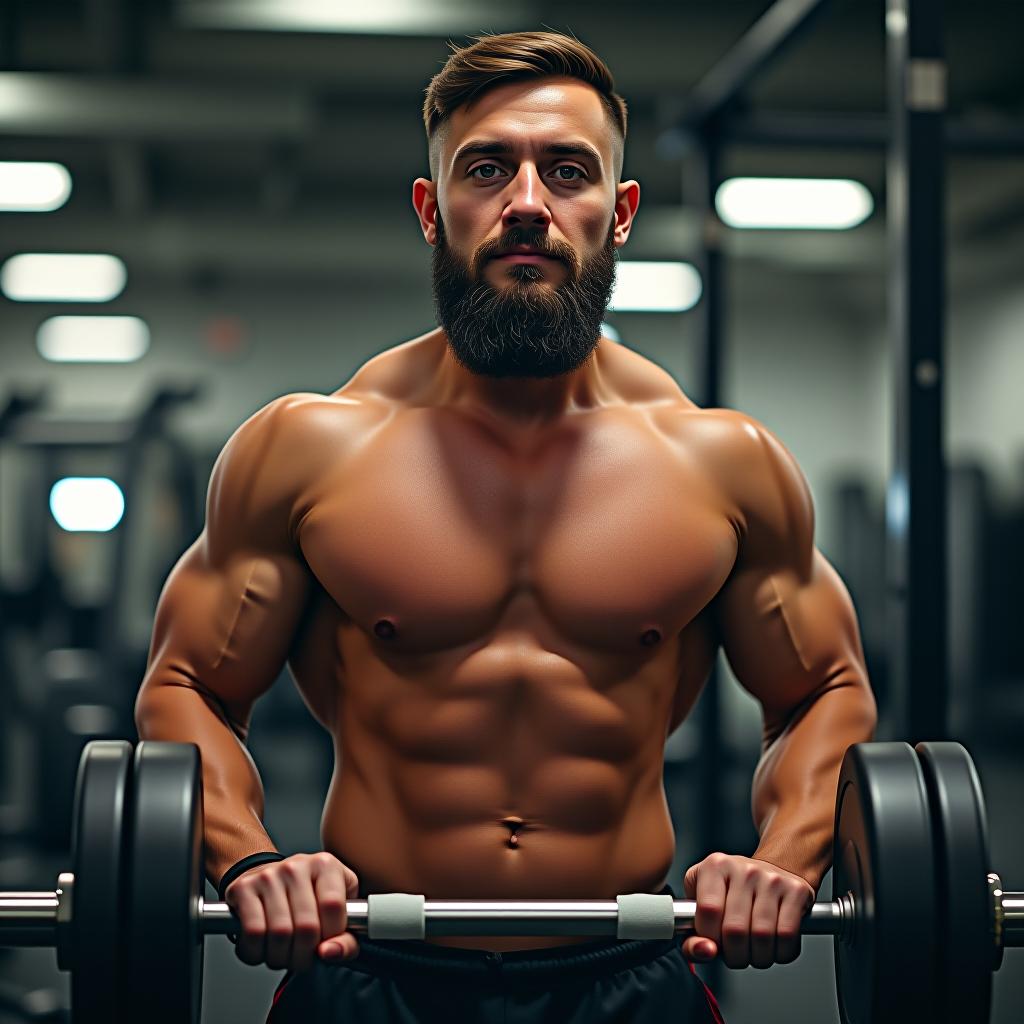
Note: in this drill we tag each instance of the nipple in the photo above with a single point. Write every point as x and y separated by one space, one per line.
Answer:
385 629
650 638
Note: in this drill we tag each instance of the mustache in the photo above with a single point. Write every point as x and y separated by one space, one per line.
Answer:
518 330
514 237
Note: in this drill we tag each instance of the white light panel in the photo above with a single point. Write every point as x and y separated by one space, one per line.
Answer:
810 203
86 503
63 277
657 287
387 17
93 339
33 187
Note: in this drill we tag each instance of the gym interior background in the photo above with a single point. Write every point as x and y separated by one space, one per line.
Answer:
249 163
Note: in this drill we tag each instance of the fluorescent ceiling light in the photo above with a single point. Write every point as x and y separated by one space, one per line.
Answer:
63 277
86 503
817 203
33 187
655 287
399 17
93 339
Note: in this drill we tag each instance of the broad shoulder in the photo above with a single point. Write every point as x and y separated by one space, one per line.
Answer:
764 487
270 462
301 423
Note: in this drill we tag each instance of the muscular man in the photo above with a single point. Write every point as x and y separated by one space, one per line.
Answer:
499 562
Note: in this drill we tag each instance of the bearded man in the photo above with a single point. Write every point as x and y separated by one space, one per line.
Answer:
500 562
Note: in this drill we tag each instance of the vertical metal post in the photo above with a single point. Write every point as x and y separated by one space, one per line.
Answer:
711 309
704 183
916 499
711 761
10 17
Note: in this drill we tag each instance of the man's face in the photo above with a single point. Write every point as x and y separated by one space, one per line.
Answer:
527 219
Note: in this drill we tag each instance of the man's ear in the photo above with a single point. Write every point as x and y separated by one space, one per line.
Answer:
424 201
627 201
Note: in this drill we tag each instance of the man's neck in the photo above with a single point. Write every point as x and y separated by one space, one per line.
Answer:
521 403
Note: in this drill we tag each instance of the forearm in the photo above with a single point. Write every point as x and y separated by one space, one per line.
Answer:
794 791
232 791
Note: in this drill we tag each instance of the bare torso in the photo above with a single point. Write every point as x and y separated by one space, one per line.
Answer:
503 633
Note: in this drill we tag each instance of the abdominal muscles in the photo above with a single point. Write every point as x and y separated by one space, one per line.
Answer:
481 782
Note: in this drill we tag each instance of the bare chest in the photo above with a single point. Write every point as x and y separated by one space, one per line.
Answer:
434 534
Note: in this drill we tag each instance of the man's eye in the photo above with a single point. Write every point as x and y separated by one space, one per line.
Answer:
569 167
492 170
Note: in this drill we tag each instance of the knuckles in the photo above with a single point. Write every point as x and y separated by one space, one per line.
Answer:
713 907
293 869
717 860
771 937
273 929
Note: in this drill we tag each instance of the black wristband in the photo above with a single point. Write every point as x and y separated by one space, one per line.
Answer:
242 866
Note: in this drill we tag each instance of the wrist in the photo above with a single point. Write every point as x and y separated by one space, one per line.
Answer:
811 869
240 867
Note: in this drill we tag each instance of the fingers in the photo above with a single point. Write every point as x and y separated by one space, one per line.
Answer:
248 908
289 908
293 937
739 904
331 898
699 949
710 888
794 907
332 892
764 919
748 910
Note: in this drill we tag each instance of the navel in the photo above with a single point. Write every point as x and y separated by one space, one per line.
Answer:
514 825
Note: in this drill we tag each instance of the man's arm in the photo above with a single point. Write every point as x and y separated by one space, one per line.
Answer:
224 623
790 633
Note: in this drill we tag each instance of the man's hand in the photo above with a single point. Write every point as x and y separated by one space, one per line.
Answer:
293 909
748 909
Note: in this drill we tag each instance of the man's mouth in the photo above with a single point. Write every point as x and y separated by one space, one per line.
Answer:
523 257
524 254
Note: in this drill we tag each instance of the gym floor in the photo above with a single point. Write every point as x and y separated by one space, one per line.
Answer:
798 993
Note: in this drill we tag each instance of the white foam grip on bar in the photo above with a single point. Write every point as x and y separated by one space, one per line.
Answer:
643 915
396 915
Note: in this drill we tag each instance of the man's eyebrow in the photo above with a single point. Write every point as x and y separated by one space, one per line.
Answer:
487 147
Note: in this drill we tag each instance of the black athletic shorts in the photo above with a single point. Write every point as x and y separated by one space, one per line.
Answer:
410 982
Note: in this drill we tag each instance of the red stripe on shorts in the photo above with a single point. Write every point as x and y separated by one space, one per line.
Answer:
277 994
712 1001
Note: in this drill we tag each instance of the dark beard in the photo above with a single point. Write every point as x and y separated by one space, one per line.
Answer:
524 328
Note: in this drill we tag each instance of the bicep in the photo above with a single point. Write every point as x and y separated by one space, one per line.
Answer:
230 607
789 633
786 621
223 628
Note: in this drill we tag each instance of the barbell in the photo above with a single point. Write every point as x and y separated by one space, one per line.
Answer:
918 921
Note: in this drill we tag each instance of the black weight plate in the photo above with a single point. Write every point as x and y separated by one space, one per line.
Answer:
886 973
98 841
964 906
165 951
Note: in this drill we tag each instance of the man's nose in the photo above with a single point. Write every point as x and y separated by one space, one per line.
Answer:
527 205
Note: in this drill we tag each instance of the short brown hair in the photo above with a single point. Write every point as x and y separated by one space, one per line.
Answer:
494 60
